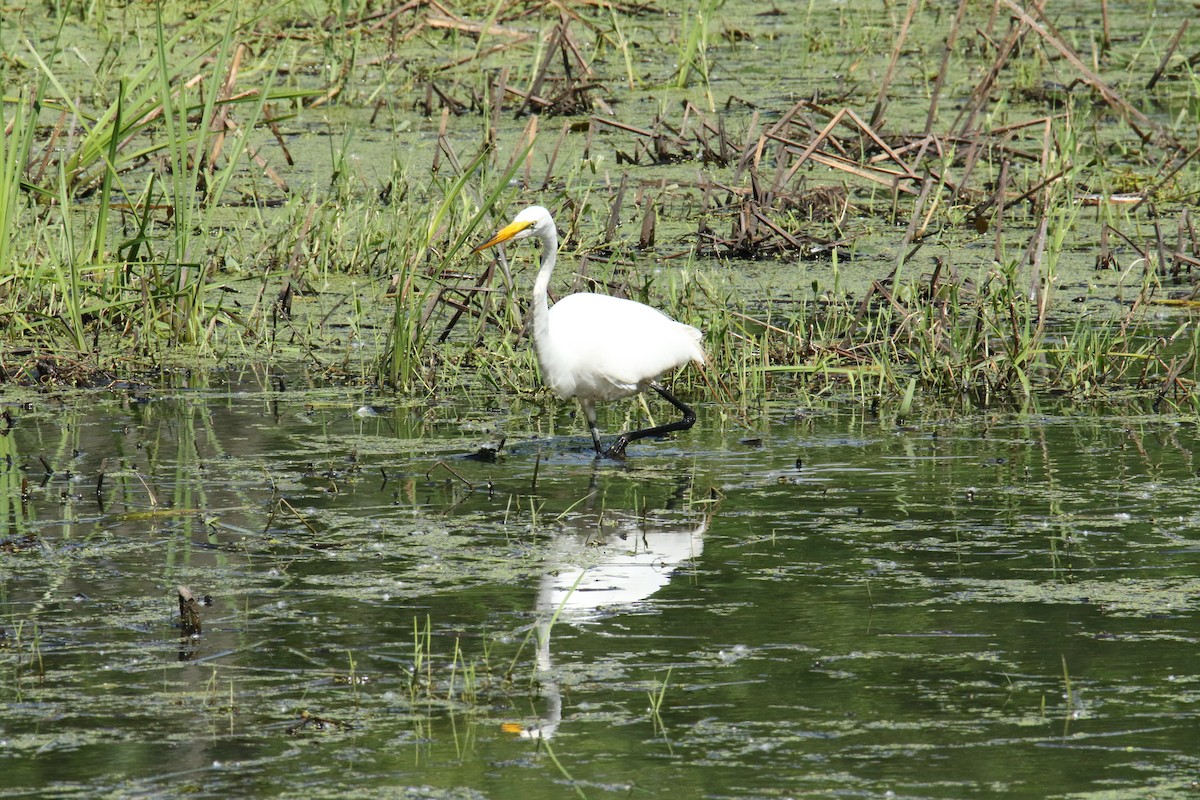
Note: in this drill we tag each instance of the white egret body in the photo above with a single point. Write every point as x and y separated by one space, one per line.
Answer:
594 347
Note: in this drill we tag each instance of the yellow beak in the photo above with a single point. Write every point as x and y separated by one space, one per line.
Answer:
506 233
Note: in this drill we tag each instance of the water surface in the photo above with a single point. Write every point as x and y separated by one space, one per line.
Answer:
1001 604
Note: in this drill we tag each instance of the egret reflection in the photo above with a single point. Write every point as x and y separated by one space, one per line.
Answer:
600 565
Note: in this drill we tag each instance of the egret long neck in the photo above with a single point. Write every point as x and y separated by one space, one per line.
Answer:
541 309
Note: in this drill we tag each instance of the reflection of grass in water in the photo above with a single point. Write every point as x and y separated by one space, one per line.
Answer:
563 770
1069 709
26 653
656 699
213 699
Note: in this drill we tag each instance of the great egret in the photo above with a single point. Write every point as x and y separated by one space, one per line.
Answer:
598 348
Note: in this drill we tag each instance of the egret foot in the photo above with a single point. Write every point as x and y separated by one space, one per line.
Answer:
617 451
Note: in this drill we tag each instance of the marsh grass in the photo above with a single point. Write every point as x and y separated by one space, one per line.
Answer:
459 680
77 282
154 208
694 44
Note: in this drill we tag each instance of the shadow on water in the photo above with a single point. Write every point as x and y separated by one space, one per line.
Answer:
995 605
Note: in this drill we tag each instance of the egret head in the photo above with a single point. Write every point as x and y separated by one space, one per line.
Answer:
533 221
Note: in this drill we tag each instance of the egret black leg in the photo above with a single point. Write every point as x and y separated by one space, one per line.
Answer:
589 411
617 450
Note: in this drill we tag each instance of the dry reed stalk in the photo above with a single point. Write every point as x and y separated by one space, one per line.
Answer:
842 161
890 178
529 99
1166 59
702 230
890 73
570 45
643 132
754 163
1142 253
912 233
1038 188
964 123
1037 245
1172 379
940 80
1104 257
998 199
780 232
562 138
283 301
1191 229
751 149
574 95
49 150
539 77
258 159
497 101
836 119
723 138
649 219
443 145
224 93
1107 40
481 286
614 210
632 9
524 145
481 55
477 29
1159 245
382 18
920 144
1191 262
456 107
287 154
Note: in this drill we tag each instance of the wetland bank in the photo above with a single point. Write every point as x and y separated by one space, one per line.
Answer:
934 534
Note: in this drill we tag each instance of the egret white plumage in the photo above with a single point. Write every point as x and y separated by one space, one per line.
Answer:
595 347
